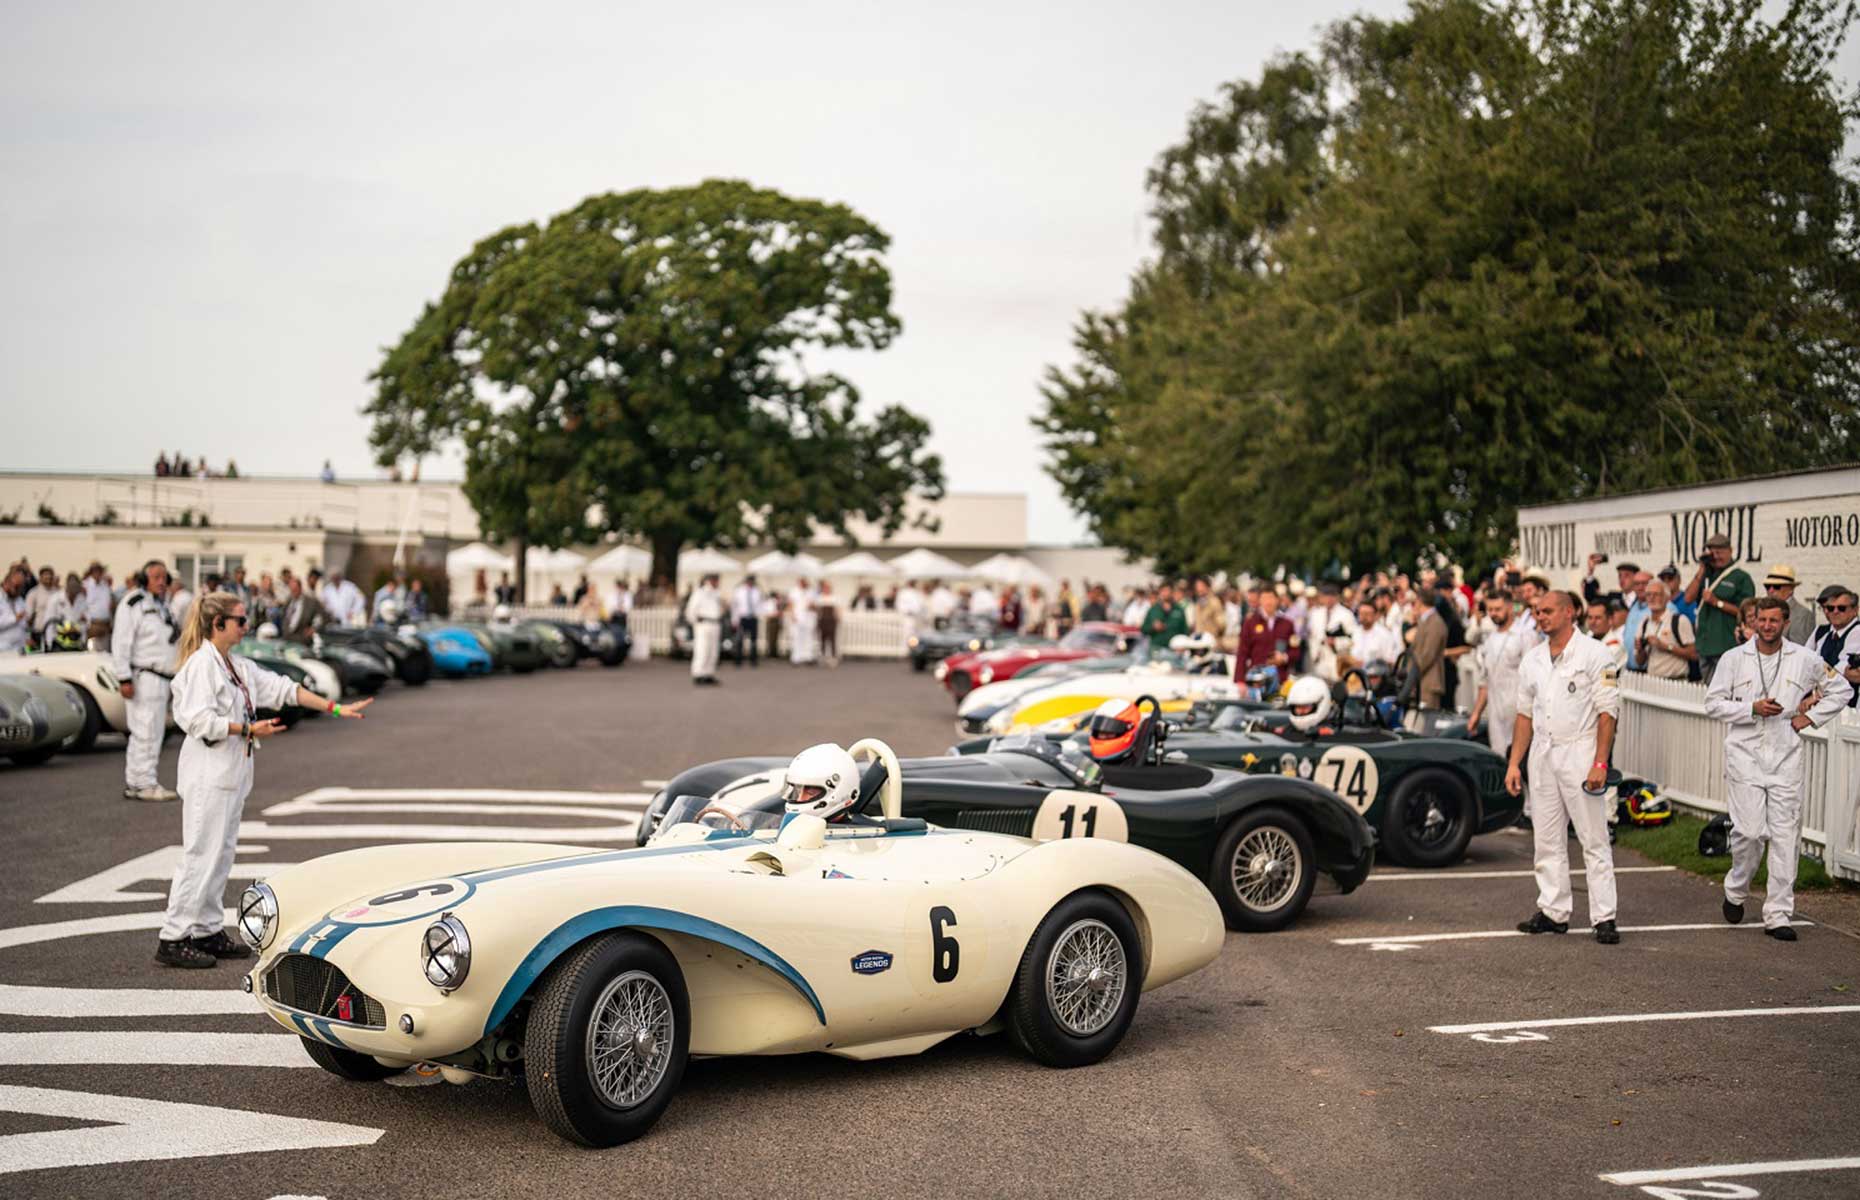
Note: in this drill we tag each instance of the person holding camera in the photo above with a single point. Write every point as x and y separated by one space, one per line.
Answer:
142 638
217 695
1769 692
1718 588
1835 641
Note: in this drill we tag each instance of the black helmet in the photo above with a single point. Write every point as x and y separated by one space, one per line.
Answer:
1715 838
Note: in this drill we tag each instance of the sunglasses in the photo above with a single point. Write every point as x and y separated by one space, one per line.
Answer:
240 618
1837 607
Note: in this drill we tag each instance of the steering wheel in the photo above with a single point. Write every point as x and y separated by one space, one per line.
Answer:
723 812
893 797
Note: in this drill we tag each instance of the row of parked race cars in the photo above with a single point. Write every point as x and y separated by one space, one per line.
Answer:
1033 882
64 700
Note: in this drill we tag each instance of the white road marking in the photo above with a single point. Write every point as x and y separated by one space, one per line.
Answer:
19 1000
111 886
52 931
77 1047
1730 1170
654 784
145 1130
1635 1018
1437 875
1482 934
324 798
600 812
561 835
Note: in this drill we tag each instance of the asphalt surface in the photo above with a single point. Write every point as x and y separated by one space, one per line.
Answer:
1295 1066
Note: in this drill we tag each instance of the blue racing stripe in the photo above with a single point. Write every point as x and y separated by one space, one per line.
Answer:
629 916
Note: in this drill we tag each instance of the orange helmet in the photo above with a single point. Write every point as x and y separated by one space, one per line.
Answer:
1114 729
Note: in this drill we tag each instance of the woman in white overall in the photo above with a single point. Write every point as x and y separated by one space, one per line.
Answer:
217 696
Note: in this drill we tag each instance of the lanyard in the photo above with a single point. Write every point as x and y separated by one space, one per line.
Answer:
250 711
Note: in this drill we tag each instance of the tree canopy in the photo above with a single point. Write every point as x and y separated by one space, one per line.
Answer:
636 365
1484 255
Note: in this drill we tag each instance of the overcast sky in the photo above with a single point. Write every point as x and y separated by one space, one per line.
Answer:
215 215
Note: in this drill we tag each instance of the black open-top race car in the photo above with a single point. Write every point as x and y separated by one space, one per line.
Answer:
1258 842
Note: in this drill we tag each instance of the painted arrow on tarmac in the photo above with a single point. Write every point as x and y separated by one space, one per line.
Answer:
143 1130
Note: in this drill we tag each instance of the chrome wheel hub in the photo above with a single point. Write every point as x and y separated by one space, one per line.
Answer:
1266 868
1086 976
629 1039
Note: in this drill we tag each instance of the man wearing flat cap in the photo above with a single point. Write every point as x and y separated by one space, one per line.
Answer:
1838 640
1781 583
1718 589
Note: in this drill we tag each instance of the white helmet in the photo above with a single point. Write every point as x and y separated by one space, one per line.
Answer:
822 781
388 611
268 632
501 614
1309 702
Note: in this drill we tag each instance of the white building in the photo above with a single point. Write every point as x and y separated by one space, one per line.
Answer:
1809 520
201 525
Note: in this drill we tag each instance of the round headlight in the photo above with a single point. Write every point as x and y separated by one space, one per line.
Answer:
445 953
258 915
912 643
975 643
986 674
941 672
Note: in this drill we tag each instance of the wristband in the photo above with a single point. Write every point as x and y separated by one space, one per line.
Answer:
335 709
1600 762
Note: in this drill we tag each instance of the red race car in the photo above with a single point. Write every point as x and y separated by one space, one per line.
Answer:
962 673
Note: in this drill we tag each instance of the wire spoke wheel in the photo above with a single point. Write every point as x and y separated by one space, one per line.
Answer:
1267 867
1086 975
1432 819
629 1039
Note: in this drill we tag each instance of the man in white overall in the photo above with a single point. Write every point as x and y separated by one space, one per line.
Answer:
1769 692
142 641
705 612
1567 701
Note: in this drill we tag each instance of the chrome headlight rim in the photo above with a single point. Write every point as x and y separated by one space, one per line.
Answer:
258 907
445 953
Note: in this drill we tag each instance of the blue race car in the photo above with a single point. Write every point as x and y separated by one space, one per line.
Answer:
455 651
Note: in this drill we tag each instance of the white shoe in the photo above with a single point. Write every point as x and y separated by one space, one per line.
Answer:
155 794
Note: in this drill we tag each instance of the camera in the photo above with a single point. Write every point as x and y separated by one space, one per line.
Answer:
1853 662
1601 558
1705 558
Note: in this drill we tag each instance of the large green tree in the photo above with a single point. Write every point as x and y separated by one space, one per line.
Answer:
637 365
1484 255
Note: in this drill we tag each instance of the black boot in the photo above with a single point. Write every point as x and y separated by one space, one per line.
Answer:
1606 933
220 946
182 954
1539 923
1734 913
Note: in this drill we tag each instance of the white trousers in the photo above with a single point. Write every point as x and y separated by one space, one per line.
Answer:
1498 730
1772 811
210 812
706 642
1557 797
148 719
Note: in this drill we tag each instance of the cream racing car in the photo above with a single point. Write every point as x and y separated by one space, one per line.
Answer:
594 975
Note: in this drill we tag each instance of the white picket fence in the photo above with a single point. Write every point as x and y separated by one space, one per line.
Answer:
862 633
1666 737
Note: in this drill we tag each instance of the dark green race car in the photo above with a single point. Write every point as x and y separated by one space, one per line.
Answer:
1258 843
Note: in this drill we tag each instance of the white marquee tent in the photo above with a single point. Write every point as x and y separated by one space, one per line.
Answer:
859 564
928 564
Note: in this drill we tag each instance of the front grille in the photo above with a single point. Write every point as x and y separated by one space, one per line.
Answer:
315 985
1015 822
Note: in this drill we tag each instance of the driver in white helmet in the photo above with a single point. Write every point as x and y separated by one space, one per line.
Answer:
1309 703
823 781
501 615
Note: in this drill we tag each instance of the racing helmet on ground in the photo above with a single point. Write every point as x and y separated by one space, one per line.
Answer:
65 635
1641 805
1309 703
822 781
1715 838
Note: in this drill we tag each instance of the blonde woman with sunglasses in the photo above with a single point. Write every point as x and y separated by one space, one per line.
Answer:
217 695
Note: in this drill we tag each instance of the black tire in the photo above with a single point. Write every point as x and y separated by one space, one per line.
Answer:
414 672
564 656
1253 903
1428 820
347 1064
959 685
32 758
93 723
1032 1016
555 1046
918 663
